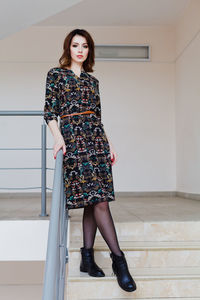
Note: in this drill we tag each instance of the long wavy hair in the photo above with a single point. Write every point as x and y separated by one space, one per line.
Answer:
65 59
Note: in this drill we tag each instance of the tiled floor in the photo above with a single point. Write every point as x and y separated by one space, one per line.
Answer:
123 209
22 209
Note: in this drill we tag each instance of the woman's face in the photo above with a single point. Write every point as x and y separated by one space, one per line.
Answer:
79 46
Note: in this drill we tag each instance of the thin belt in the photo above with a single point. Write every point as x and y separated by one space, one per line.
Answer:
83 112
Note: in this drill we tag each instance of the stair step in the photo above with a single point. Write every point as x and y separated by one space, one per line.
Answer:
169 298
141 245
146 231
144 273
151 283
142 254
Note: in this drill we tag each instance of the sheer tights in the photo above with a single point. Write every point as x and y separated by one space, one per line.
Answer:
99 215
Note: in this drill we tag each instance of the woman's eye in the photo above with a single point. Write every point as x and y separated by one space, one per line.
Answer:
76 46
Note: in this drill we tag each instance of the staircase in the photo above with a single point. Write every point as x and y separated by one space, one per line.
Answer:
161 240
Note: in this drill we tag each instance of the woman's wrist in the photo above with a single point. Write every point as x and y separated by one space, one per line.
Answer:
58 137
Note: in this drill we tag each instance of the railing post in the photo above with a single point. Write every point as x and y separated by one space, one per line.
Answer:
43 171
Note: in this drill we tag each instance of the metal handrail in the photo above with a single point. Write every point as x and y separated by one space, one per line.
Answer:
43 156
57 250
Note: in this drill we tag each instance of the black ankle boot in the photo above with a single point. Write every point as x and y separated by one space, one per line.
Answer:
88 264
120 269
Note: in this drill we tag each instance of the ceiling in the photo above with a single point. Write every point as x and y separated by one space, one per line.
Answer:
119 13
21 14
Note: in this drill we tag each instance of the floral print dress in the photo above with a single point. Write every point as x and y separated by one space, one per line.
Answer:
87 168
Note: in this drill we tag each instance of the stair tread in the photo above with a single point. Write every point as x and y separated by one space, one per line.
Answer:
144 273
138 245
132 221
170 298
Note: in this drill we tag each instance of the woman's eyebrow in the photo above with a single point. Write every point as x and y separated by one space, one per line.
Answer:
78 43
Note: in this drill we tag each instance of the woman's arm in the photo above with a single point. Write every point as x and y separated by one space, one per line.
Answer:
98 113
112 151
51 110
53 126
58 138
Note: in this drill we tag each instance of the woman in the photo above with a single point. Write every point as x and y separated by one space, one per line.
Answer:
73 94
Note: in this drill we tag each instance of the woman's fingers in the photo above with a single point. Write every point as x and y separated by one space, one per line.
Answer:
113 157
60 144
113 154
55 150
64 149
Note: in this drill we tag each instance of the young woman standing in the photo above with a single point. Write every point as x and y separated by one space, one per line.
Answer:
73 94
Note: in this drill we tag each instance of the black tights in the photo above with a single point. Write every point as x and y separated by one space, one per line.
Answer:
99 215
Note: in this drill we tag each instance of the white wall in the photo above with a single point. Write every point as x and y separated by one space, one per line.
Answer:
138 104
23 240
187 100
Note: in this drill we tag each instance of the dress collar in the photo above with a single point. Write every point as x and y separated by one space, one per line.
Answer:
70 71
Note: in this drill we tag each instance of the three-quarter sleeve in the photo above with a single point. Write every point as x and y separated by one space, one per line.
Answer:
51 106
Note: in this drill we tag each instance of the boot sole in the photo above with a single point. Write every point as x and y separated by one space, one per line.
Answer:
86 271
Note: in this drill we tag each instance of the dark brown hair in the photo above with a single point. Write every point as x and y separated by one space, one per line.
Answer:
65 59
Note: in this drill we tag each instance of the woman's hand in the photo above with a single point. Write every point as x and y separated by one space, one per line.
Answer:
59 143
58 138
113 155
112 152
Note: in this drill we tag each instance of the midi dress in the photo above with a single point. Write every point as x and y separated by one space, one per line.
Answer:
87 169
